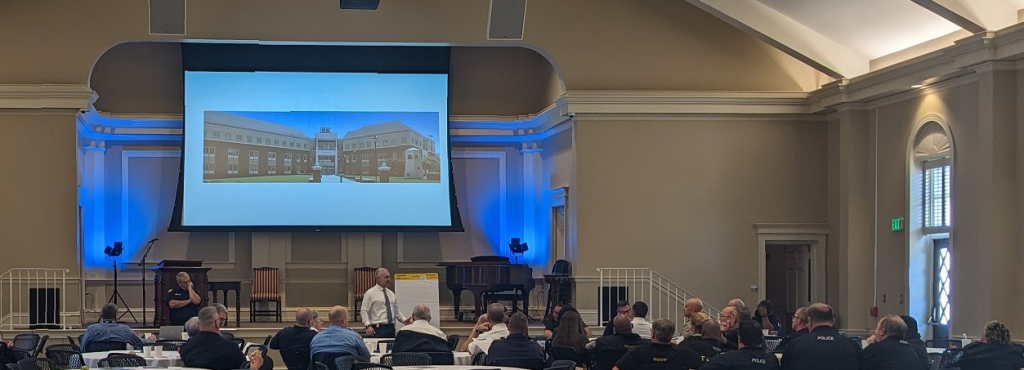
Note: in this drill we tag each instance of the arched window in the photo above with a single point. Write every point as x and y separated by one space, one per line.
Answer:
931 222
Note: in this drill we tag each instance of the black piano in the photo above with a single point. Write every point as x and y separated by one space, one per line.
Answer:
491 275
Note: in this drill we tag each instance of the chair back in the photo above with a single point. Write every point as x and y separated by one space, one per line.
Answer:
265 284
453 341
71 340
64 358
370 366
41 345
771 342
64 347
327 358
563 363
296 358
124 360
561 366
363 278
479 359
171 345
605 360
565 353
266 341
319 366
345 362
36 364
104 346
441 358
405 359
239 342
561 267
523 363
28 343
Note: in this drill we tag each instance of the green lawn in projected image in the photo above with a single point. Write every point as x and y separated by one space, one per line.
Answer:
268 179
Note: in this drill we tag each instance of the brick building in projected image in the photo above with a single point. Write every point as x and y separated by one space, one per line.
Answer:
387 142
236 146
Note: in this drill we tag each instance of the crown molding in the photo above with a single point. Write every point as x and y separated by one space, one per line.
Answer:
46 96
616 102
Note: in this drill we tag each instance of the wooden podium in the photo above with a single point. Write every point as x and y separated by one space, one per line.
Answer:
165 279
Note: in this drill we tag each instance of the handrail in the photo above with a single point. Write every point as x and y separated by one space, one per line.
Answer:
665 298
24 290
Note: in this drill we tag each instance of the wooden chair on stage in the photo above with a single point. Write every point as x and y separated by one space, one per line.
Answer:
265 285
363 279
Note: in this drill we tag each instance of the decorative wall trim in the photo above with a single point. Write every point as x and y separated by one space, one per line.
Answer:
682 102
502 187
815 235
46 96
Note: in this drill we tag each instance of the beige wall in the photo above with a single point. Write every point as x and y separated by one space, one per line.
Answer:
688 193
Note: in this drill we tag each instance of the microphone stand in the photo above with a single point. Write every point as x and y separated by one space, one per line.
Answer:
143 264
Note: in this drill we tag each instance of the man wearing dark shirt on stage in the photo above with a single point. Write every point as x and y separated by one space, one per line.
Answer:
293 342
183 300
888 350
750 356
660 353
607 350
209 350
823 347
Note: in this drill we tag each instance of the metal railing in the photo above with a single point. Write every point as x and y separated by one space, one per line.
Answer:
33 298
664 298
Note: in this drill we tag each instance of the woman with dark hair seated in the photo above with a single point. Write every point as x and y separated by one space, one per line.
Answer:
994 352
765 316
570 332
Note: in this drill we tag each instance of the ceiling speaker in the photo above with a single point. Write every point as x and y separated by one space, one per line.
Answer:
506 20
167 17
360 4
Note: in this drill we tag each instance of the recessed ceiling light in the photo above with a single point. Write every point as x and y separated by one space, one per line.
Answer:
915 86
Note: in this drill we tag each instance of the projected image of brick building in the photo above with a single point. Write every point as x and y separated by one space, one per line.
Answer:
240 149
407 152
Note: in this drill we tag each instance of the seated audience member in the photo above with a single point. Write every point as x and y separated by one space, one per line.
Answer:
192 327
338 338
799 325
516 344
707 339
660 353
621 308
420 336
570 332
736 302
208 350
108 330
641 325
315 323
750 356
692 306
293 342
887 350
731 317
995 351
913 337
552 322
823 347
487 332
607 350
765 316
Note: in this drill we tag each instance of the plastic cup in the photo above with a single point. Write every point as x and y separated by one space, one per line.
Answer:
159 351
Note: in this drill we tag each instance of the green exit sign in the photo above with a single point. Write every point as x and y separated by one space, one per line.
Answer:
898 224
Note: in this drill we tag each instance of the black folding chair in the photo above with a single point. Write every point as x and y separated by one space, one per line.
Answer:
239 341
123 360
71 340
479 359
523 363
63 358
327 358
405 359
566 353
345 362
370 366
453 341
319 366
441 358
171 345
36 364
104 346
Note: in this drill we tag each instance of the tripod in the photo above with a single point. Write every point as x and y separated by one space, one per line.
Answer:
143 264
114 297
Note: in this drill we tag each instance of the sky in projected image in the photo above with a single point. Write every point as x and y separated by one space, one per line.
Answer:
343 122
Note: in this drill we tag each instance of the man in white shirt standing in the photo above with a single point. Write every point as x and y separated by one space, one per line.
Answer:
641 326
488 331
380 308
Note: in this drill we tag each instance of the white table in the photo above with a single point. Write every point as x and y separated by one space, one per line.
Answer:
169 358
461 358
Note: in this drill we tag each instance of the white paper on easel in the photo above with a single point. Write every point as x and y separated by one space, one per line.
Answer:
413 289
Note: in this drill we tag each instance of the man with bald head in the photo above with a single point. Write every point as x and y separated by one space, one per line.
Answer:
338 337
420 336
707 339
208 350
608 349
517 344
486 332
823 347
692 306
888 350
736 302
293 342
380 308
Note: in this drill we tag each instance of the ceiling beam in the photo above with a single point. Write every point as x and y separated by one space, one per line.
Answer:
789 36
973 15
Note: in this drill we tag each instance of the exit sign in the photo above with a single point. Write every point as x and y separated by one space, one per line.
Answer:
898 224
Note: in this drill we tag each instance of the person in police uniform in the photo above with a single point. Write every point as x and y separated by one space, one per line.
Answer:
707 338
660 353
183 300
799 325
750 356
607 350
823 347
888 350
